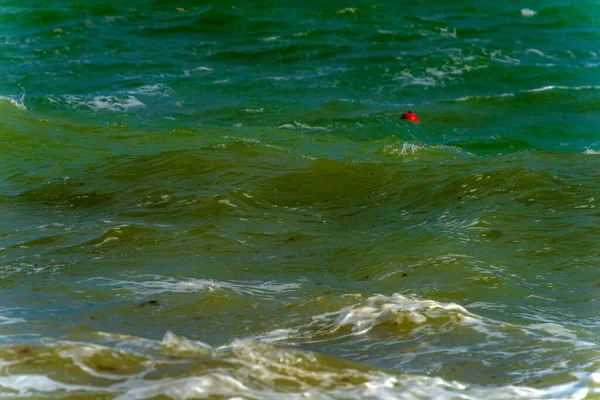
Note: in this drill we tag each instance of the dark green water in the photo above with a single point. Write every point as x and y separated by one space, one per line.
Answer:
219 200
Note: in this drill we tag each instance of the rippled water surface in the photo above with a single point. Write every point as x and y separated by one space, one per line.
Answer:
219 200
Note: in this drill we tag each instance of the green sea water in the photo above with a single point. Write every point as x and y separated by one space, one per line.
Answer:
219 200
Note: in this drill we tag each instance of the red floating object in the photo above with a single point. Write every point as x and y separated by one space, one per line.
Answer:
410 116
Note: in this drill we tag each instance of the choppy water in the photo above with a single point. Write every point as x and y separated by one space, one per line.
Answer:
219 200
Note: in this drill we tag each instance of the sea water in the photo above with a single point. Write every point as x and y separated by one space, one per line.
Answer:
219 200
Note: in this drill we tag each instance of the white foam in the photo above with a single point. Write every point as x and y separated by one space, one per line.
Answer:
590 151
29 384
526 12
211 385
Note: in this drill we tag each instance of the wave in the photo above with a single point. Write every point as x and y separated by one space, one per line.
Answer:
17 101
129 367
113 103
160 285
548 88
411 149
407 313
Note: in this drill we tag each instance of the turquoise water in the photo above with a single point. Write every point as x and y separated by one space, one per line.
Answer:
220 201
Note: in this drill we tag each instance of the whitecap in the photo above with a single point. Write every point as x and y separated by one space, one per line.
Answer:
526 12
346 10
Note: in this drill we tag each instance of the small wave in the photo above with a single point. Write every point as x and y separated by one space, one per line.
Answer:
254 110
189 72
110 103
553 87
407 149
525 91
408 79
397 309
438 76
299 125
420 324
159 89
10 321
15 102
538 53
161 284
271 39
468 98
503 58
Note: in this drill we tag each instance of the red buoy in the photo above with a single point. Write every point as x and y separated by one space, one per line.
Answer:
411 116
